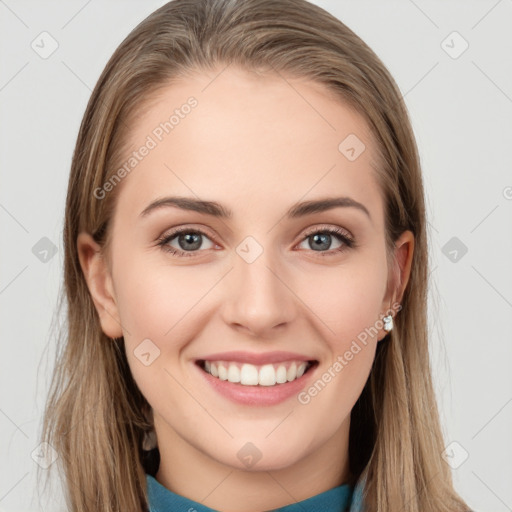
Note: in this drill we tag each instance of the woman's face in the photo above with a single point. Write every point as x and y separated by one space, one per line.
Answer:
261 283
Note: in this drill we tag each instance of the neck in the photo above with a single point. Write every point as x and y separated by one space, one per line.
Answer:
195 475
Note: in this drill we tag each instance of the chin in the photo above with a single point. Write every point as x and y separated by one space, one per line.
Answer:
261 456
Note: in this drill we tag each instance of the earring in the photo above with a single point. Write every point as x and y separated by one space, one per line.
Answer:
388 323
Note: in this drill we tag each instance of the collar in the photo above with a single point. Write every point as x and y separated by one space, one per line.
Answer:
339 499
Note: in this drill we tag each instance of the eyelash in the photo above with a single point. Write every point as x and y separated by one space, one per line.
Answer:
348 242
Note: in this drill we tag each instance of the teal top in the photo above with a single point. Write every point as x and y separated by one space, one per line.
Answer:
343 498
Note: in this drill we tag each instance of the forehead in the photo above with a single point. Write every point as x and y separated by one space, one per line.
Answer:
251 140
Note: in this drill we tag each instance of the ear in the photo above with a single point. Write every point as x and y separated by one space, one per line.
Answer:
400 272
100 284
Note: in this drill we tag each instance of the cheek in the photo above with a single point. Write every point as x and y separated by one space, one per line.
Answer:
349 306
155 300
347 301
166 306
157 303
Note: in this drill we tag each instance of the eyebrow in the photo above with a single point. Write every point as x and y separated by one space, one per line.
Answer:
217 210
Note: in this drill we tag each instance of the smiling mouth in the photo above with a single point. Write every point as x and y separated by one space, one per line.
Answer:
247 374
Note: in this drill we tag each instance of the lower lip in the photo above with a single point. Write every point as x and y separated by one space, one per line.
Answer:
258 395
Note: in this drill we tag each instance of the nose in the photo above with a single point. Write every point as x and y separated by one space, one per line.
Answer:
258 296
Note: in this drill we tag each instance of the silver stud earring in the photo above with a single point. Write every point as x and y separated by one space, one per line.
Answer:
388 323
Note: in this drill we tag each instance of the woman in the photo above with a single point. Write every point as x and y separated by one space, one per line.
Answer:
246 275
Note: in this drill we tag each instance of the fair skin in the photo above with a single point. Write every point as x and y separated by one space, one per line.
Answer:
256 146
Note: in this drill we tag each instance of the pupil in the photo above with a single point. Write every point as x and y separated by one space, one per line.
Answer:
190 240
323 239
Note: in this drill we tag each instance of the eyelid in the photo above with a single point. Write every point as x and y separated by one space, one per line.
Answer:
188 228
327 227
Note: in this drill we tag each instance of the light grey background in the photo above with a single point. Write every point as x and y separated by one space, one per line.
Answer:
461 110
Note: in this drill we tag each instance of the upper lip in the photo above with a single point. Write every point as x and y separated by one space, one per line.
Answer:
256 358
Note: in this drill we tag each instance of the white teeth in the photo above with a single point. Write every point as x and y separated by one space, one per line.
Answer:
267 375
301 369
251 375
291 374
234 373
223 372
281 375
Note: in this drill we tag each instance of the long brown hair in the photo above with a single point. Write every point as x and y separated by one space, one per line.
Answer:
96 417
